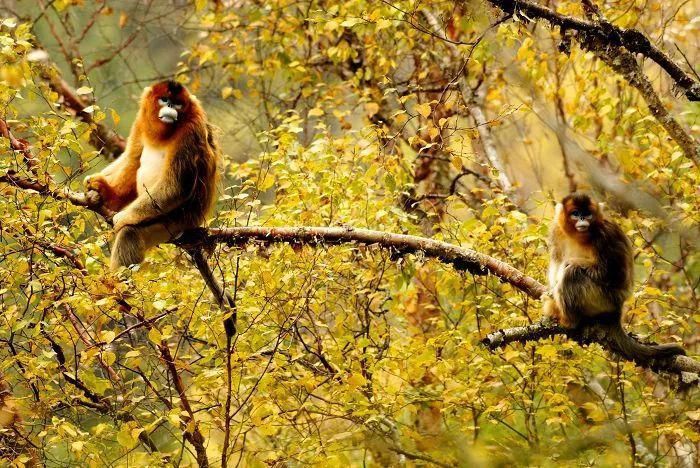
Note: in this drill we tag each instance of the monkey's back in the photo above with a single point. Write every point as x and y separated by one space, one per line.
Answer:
615 260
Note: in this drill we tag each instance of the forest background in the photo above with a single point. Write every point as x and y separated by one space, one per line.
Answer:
457 121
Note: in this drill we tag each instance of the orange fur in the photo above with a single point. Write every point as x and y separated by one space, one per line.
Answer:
569 227
165 182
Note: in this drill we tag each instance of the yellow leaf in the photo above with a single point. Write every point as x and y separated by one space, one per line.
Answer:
124 437
226 91
433 132
107 336
115 116
371 108
383 24
123 18
199 4
356 380
155 336
316 112
109 357
99 429
547 351
83 90
423 109
69 430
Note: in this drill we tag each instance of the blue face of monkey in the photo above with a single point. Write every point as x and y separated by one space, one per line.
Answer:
582 218
168 110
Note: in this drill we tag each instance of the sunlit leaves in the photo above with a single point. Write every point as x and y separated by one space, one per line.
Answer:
345 351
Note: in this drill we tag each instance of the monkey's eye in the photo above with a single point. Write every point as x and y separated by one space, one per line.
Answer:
575 214
162 102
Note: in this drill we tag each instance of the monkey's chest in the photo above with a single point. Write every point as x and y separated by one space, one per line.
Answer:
151 168
566 253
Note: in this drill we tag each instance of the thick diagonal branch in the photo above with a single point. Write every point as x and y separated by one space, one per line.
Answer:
461 258
615 46
101 137
631 39
402 244
624 63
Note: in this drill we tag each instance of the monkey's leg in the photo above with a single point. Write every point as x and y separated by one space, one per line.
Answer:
129 248
132 242
555 312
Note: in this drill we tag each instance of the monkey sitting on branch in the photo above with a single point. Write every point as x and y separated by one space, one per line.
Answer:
165 182
591 274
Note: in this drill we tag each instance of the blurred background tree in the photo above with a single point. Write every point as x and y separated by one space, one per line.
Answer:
462 121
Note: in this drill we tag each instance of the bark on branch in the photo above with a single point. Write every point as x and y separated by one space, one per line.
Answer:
461 258
616 47
90 200
687 368
631 39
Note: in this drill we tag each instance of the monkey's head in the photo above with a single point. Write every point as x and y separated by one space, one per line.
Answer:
168 102
578 215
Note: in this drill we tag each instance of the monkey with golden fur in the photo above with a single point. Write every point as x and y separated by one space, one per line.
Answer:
166 180
591 273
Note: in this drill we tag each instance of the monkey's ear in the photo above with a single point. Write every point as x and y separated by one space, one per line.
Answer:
558 209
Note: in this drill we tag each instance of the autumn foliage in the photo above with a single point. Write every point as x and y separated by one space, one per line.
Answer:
460 122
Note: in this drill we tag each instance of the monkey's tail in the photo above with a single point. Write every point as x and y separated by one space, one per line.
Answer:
632 349
129 248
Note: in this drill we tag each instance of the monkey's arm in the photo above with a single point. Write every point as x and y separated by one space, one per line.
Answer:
116 183
174 188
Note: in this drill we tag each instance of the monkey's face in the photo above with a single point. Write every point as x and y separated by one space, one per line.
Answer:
577 214
170 101
581 219
168 110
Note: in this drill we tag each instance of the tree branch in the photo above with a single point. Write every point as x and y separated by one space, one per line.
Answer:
631 39
624 63
687 368
103 138
459 257
615 47
90 200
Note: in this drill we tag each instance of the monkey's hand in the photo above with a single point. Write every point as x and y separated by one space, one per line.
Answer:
98 183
